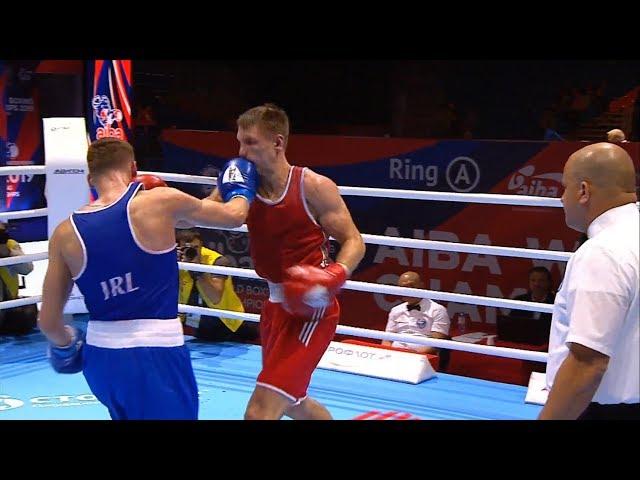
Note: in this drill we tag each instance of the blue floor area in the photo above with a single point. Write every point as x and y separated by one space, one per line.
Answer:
226 373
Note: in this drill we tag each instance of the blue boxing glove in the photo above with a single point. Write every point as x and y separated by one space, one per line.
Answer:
68 359
238 178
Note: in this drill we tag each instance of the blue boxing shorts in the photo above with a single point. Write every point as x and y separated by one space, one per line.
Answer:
141 369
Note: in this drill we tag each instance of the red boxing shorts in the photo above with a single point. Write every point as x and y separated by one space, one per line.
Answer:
292 347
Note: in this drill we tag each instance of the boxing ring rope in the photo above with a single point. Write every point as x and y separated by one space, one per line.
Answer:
23 170
5 262
363 332
357 285
390 290
529 253
31 257
20 302
484 198
37 212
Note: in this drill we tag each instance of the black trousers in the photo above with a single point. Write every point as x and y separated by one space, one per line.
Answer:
615 411
19 320
211 328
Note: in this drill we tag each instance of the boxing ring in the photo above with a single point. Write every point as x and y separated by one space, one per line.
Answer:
226 372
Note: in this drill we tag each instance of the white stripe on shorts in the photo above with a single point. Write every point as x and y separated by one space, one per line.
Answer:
310 326
147 332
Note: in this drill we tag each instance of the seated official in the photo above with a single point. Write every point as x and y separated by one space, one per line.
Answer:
18 320
213 291
540 290
417 316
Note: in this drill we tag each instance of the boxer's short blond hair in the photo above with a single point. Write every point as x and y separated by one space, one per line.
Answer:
269 117
109 154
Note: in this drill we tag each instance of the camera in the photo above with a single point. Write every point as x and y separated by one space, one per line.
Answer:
188 251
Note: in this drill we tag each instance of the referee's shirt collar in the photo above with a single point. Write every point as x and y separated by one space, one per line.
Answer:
611 217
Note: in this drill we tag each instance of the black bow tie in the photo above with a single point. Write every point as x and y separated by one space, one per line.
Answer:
413 307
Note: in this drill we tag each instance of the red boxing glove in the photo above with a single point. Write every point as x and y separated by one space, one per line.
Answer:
308 288
150 181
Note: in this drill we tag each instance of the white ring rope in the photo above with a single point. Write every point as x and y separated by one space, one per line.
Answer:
24 170
20 301
363 332
346 330
528 253
391 290
182 178
36 212
486 198
355 285
31 257
467 248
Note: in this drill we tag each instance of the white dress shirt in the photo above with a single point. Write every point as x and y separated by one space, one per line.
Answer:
597 305
432 317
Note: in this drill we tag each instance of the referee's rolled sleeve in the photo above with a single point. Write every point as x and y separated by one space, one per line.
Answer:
599 303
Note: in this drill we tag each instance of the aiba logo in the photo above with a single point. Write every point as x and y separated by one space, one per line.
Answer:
106 116
524 182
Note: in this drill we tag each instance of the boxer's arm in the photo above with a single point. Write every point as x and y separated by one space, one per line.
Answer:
215 195
330 211
56 289
206 212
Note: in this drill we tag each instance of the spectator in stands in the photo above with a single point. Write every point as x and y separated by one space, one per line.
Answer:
616 136
551 135
417 316
548 124
145 118
209 290
599 98
146 135
18 320
540 290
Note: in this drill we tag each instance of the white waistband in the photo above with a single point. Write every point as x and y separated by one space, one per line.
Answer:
276 292
135 333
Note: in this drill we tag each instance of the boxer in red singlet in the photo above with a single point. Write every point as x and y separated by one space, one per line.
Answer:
290 222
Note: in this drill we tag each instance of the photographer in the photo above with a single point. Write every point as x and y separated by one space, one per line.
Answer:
213 291
18 320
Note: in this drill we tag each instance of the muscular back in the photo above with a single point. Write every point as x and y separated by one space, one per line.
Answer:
152 221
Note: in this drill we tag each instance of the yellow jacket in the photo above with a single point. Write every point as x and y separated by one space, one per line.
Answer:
10 279
229 299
